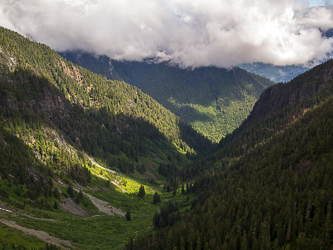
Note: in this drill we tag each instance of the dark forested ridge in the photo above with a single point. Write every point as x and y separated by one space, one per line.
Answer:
213 100
279 106
269 185
310 84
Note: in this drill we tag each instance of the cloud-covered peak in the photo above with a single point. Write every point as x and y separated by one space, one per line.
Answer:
190 33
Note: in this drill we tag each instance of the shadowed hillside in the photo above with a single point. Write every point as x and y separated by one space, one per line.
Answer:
268 186
213 100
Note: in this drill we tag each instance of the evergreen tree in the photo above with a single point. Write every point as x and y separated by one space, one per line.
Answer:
142 191
128 215
79 197
70 191
157 198
56 193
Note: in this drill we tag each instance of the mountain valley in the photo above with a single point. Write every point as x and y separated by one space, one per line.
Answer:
213 100
89 162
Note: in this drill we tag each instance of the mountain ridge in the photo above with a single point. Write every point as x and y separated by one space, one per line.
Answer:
213 100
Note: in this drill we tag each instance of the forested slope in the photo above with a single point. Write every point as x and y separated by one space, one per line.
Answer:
64 128
213 100
277 107
274 188
103 117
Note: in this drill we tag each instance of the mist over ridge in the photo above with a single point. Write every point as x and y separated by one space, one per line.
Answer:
187 33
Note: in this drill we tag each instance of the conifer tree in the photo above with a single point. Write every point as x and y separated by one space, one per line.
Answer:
157 198
128 216
142 191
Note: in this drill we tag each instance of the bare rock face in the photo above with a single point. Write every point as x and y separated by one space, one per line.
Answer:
104 207
11 102
7 59
36 175
52 104
70 206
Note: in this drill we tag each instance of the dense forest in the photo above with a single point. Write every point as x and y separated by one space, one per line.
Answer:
213 100
269 184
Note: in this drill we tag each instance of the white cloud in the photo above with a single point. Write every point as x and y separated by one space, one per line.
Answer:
190 33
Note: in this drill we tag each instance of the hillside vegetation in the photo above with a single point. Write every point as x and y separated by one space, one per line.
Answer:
74 143
268 186
86 106
214 101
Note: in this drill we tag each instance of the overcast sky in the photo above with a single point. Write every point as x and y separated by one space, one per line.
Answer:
190 33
